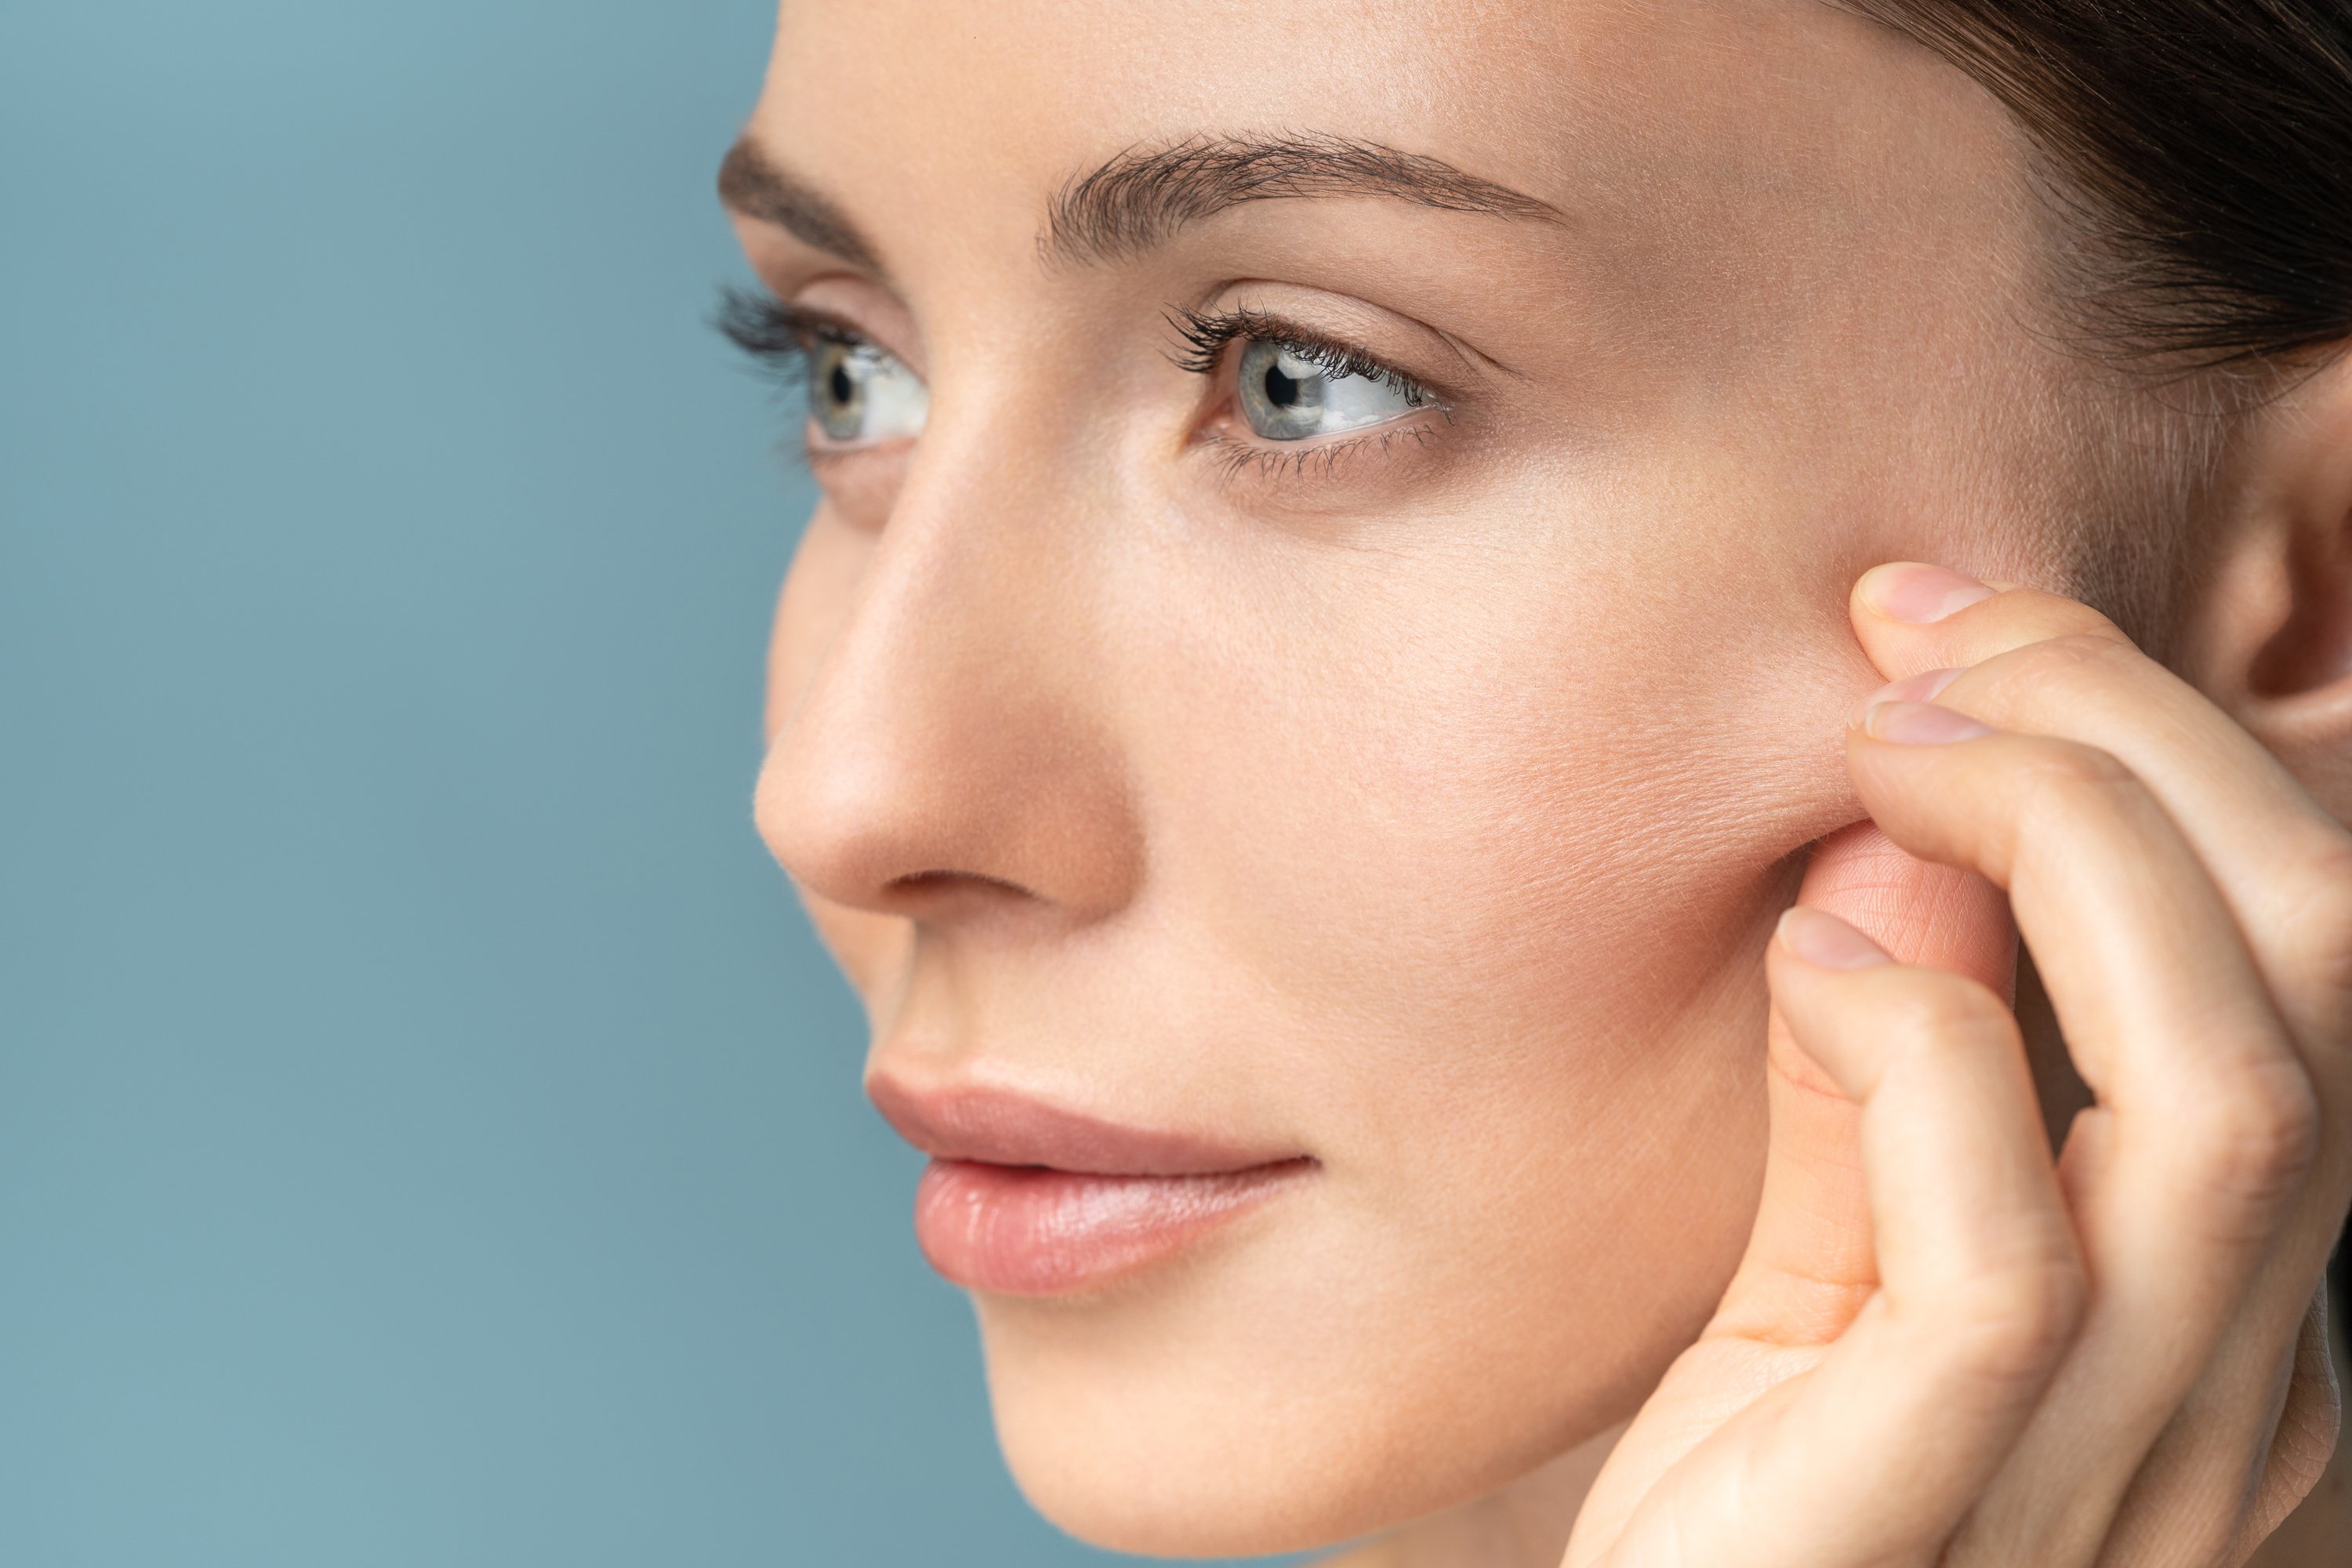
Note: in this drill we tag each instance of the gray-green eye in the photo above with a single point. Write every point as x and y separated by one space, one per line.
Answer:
1288 396
859 394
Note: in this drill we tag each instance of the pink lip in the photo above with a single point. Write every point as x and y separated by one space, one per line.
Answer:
1024 1198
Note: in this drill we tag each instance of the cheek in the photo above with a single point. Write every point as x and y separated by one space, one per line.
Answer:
1509 893
1482 861
1482 818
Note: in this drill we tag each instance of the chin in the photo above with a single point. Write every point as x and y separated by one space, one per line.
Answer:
1302 1380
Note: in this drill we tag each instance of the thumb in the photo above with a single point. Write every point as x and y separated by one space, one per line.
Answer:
1810 1264
1919 911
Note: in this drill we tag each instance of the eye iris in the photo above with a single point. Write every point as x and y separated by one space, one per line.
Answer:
837 391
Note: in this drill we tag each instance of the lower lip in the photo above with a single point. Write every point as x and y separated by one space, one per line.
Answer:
1023 1230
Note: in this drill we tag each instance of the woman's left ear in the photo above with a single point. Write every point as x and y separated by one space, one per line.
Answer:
2269 634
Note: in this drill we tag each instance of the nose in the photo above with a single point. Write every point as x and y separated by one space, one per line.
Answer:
951 757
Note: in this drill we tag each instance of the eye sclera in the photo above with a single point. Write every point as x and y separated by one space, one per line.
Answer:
1292 385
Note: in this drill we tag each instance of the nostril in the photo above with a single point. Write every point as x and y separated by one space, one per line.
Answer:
893 789
944 894
920 883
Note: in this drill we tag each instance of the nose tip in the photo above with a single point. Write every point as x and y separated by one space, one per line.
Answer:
947 815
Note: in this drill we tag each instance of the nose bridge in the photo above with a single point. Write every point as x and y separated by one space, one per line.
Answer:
952 750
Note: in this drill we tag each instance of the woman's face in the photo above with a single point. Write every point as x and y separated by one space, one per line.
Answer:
1384 780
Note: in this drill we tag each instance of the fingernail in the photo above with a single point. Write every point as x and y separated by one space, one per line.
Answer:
1920 724
1924 687
1918 594
1828 940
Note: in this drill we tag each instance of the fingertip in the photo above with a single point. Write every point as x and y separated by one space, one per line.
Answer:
1826 941
1904 723
1924 687
1912 593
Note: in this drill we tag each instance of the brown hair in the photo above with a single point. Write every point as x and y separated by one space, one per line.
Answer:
2200 151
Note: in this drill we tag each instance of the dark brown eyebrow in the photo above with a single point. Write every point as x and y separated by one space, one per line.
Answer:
1138 198
751 184
1143 195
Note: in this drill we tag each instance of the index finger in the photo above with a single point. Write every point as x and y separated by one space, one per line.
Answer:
2040 664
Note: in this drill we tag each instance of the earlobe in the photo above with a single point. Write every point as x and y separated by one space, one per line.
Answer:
2275 638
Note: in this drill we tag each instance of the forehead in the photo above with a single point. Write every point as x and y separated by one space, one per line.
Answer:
966 105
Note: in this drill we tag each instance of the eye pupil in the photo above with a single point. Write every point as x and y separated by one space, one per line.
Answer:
839 386
1281 390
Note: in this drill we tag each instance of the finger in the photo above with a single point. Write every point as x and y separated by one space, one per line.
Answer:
2044 665
1810 1264
2199 1149
1896 1429
2041 664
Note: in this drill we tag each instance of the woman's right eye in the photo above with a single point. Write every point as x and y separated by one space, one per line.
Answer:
861 396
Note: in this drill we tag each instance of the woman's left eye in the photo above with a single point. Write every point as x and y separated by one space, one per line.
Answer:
1289 393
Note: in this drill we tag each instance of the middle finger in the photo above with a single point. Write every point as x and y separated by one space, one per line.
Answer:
2183 1173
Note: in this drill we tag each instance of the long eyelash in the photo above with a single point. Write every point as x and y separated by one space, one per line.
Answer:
778 336
1205 338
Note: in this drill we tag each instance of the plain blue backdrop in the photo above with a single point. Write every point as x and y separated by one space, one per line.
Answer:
429 1132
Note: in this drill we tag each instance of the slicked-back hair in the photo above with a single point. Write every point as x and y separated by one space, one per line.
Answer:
2202 152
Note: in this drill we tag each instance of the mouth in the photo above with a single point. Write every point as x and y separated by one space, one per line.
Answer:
1024 1198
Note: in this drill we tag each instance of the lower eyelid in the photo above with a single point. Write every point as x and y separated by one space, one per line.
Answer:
1415 434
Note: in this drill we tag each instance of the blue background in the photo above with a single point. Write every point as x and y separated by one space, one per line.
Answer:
429 1132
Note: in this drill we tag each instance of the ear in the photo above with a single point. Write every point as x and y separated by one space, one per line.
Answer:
2270 633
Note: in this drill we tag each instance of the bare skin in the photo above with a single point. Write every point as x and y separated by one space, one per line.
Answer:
1422 794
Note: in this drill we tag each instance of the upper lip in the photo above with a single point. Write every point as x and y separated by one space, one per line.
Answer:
1001 1127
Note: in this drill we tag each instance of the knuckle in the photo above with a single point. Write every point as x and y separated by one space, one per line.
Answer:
2254 1143
2063 788
2013 1322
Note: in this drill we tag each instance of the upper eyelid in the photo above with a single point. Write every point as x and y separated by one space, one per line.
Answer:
760 324
1206 334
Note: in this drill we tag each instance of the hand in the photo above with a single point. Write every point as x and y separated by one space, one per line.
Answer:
1944 1347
